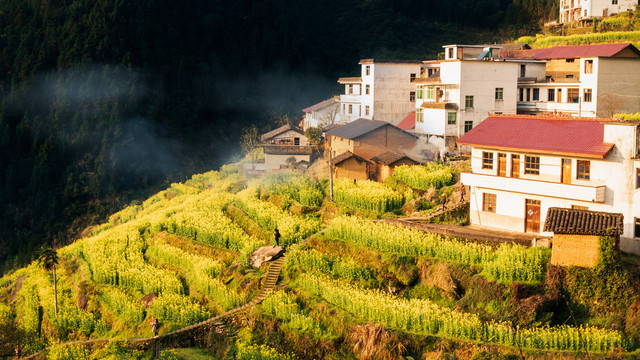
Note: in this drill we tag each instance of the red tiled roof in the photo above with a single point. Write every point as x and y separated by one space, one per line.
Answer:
570 52
408 122
582 137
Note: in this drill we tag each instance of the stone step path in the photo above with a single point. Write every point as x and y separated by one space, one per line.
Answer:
270 280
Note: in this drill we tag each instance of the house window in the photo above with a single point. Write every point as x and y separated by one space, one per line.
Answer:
528 94
419 116
450 53
584 167
536 94
636 231
367 89
559 95
419 92
367 70
412 77
468 125
412 96
499 93
296 141
350 109
637 178
588 66
614 2
366 110
451 118
523 70
551 96
468 101
487 160
521 94
532 165
573 95
489 202
431 93
587 95
344 109
350 89
571 60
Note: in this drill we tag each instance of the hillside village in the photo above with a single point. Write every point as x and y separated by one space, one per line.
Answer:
536 123
469 207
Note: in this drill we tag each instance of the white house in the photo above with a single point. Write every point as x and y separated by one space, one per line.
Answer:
523 165
383 92
467 85
322 114
581 80
575 10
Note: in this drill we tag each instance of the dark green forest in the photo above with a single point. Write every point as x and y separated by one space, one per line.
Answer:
104 102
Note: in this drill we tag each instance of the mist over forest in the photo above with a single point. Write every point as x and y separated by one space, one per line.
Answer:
104 102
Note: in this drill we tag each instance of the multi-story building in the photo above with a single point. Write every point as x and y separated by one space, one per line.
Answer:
581 80
384 91
523 165
457 93
576 10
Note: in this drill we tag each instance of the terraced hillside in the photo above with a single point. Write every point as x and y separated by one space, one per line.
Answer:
350 287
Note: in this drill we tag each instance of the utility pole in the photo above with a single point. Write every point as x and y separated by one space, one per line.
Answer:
330 174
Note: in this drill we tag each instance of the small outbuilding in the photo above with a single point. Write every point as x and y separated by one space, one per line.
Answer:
351 166
576 234
386 163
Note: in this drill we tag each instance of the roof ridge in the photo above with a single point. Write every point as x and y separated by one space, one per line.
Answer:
553 117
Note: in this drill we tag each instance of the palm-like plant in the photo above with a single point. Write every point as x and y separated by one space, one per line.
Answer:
48 259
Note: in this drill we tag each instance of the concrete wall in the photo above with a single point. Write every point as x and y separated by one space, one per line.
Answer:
273 162
390 91
618 84
575 250
480 79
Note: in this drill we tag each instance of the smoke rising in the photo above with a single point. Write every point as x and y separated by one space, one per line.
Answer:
427 148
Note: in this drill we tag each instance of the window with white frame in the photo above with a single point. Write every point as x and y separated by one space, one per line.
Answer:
587 95
499 93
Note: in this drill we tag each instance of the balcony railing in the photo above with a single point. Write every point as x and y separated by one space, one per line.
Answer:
290 149
593 193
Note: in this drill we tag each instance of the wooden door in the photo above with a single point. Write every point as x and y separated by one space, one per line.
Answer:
502 164
566 171
515 166
532 216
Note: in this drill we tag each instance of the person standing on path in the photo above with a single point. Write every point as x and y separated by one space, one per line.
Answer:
276 236
444 201
462 190
154 325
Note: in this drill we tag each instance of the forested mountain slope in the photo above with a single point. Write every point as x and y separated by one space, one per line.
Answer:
104 101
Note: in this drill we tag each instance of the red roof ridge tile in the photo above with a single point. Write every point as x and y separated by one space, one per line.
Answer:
553 117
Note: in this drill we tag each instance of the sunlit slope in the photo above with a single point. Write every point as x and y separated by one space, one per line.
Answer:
345 275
